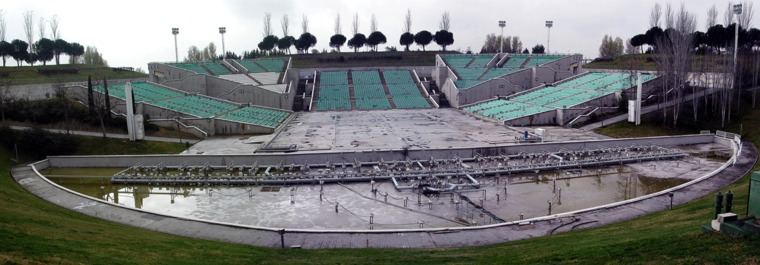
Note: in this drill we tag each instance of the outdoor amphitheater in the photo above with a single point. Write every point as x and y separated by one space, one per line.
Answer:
477 149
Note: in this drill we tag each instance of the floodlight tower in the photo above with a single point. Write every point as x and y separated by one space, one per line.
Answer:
223 30
175 31
737 12
549 25
502 24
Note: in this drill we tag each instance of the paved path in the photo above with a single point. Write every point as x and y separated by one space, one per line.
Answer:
644 110
109 135
426 238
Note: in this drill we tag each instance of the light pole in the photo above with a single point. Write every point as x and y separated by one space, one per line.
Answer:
223 30
502 24
549 25
175 31
737 12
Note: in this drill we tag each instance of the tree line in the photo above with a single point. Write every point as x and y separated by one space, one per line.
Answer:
680 53
271 44
44 49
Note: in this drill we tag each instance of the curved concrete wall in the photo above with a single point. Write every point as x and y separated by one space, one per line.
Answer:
743 158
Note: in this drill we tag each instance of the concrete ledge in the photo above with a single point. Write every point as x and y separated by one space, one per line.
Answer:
320 157
743 160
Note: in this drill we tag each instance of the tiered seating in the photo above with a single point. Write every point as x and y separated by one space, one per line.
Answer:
333 91
214 68
497 72
217 69
481 61
457 60
144 92
368 91
251 66
333 78
405 93
515 61
264 65
473 69
264 117
197 106
564 95
272 64
537 60
192 67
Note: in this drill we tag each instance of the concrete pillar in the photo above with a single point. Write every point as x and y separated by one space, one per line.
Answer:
130 111
638 98
560 117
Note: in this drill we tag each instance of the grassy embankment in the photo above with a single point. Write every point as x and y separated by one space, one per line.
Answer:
35 231
62 73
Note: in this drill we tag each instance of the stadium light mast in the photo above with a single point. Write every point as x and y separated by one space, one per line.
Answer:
737 12
175 31
223 30
502 24
549 25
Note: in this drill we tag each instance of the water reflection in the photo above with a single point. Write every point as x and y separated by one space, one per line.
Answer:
304 207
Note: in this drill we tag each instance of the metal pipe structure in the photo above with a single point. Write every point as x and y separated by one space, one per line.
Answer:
175 31
480 167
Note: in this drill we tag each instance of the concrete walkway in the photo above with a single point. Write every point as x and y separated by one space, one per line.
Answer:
420 238
644 111
109 135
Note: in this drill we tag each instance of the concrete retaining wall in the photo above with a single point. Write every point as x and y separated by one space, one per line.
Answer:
505 85
367 156
49 90
743 158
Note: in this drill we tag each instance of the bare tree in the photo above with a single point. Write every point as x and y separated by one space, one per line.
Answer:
29 28
745 19
42 26
54 29
373 24
5 98
3 29
338 29
675 57
670 19
712 17
101 112
408 21
445 21
355 24
285 24
61 94
267 24
755 79
655 16
728 15
305 23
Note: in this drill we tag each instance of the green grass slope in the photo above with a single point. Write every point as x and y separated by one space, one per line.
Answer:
33 231
36 74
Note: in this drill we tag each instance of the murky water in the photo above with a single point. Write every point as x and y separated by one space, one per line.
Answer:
303 206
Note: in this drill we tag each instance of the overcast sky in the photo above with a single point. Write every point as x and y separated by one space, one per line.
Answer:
133 33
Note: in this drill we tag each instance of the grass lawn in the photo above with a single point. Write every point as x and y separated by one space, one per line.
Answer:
100 146
628 130
29 74
643 62
34 231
